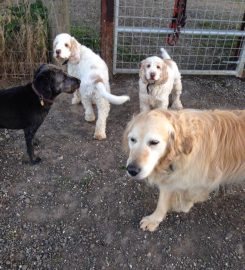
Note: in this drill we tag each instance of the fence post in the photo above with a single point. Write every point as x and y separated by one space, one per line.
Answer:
59 21
106 31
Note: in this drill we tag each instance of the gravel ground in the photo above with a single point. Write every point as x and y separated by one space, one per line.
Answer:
79 210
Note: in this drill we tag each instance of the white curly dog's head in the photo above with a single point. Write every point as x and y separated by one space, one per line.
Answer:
66 47
153 69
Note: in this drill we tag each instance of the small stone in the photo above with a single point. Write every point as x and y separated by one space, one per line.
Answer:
27 200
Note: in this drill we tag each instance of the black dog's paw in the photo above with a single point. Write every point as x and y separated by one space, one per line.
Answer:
36 142
36 161
33 161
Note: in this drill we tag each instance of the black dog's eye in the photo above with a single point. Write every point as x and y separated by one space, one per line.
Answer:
148 65
153 142
158 67
66 44
133 140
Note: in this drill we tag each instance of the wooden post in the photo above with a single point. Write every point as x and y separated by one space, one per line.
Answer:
59 21
106 32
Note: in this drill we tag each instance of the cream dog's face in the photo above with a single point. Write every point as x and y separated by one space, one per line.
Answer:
147 136
62 46
152 69
66 47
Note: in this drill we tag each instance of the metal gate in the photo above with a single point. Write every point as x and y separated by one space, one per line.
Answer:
211 43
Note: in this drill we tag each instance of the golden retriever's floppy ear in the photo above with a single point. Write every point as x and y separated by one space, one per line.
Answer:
180 140
125 135
181 143
125 146
75 50
164 73
187 144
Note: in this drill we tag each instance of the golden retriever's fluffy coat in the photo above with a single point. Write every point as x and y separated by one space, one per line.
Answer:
187 154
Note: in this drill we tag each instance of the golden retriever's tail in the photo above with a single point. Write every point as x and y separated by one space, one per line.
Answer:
165 55
117 100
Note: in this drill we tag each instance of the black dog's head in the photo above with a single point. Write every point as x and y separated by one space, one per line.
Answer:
51 80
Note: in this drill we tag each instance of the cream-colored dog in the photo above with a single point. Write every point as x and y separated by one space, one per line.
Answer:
159 77
91 69
186 154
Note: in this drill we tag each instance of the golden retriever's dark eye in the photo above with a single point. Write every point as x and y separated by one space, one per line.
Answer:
66 45
153 142
158 67
133 140
148 65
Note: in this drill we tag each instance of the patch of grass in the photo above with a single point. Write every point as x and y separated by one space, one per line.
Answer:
85 182
123 168
124 54
86 36
23 38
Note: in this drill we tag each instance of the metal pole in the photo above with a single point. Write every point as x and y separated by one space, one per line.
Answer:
115 36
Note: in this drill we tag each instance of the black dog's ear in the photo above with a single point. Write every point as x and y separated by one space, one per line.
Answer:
39 70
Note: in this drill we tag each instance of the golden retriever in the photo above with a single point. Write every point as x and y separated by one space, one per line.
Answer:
186 154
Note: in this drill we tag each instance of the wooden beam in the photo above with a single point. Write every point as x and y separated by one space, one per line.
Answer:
106 32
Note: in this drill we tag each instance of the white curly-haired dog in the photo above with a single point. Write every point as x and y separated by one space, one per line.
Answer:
84 64
159 77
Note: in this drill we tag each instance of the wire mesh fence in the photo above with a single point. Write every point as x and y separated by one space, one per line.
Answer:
85 22
210 43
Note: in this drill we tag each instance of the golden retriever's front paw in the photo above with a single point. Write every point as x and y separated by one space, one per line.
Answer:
149 223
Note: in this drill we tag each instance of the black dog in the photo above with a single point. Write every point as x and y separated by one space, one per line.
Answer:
25 107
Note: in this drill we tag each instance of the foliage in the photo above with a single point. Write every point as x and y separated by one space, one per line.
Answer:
87 37
23 37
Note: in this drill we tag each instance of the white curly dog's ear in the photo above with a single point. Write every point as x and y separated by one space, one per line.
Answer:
75 50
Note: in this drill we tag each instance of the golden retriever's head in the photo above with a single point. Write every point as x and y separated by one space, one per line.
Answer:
153 70
153 141
66 47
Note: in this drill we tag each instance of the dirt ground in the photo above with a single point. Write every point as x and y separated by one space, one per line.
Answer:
79 210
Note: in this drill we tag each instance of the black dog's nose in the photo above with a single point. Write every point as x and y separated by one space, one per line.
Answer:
58 51
133 169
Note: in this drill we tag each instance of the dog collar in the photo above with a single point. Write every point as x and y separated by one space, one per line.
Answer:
148 88
65 62
41 98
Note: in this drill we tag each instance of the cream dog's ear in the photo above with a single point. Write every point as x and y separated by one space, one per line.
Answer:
75 50
142 70
164 73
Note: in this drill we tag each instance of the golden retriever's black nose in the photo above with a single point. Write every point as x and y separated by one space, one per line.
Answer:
58 52
152 74
133 170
